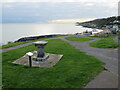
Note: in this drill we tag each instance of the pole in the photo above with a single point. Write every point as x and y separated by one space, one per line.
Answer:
30 61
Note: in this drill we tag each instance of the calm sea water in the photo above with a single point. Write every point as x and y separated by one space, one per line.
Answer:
12 32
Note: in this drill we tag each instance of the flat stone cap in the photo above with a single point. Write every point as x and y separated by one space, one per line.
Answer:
41 42
29 54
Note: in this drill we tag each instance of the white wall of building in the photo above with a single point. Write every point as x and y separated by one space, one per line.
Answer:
115 27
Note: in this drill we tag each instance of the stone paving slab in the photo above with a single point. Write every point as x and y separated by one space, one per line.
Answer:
51 61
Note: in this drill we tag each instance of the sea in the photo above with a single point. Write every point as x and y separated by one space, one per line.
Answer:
13 32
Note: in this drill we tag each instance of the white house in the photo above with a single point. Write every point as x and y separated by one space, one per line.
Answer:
115 27
95 31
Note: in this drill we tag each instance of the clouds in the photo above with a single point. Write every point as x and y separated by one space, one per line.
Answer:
72 20
89 4
7 6
46 11
9 1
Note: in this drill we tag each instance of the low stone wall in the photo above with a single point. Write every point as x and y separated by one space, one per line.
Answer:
35 37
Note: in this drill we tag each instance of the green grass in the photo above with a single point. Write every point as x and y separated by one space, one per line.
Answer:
107 42
14 44
96 36
78 39
74 70
19 43
119 37
0 71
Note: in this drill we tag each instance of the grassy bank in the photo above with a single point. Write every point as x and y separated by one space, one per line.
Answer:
78 39
19 43
74 70
96 36
0 72
107 42
119 37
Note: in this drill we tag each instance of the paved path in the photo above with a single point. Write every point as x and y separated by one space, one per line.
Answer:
109 56
15 47
19 46
106 79
116 39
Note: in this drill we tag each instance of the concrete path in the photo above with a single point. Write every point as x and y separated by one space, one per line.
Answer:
116 39
106 79
15 47
19 46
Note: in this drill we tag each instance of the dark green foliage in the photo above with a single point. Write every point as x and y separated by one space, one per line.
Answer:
101 22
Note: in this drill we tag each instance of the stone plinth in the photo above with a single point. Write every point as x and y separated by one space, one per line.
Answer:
40 53
49 62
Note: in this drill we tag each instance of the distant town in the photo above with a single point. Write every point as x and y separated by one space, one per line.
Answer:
101 27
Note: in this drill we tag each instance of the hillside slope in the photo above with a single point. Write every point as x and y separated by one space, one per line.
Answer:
99 23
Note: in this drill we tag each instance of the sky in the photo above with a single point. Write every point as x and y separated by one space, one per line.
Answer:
42 11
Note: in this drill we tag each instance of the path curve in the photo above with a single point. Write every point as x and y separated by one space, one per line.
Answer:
19 46
109 56
116 39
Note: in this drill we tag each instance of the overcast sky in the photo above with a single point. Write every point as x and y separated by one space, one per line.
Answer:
34 11
60 0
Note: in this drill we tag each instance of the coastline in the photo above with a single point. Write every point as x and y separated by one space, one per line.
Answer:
13 32
36 37
87 26
29 40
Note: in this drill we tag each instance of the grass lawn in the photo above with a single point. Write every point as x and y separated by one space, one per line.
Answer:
13 44
119 37
105 43
78 39
74 70
19 43
96 36
0 71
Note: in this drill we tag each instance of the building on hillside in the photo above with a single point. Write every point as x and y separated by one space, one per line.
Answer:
78 33
103 33
108 26
87 33
115 25
106 31
96 32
